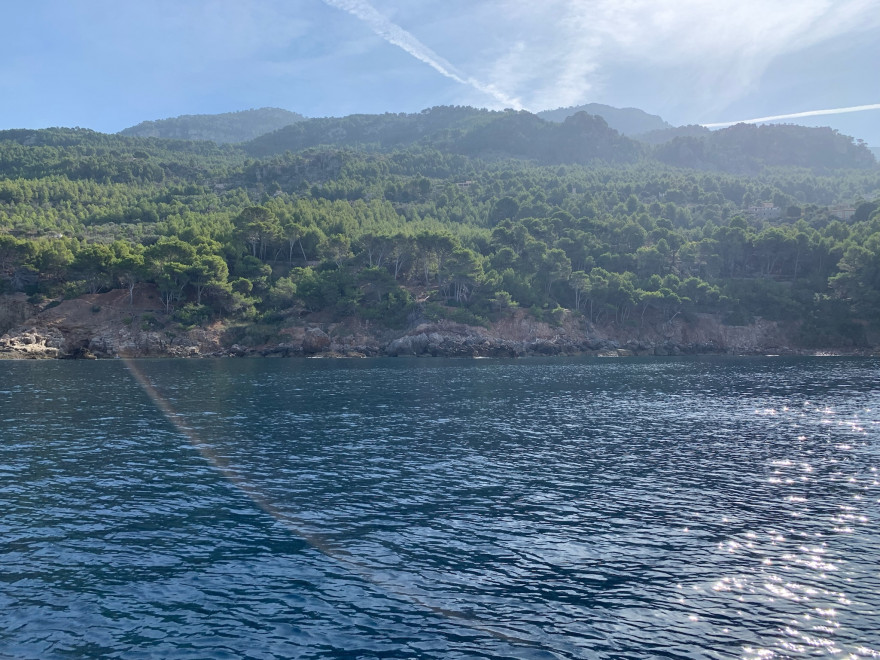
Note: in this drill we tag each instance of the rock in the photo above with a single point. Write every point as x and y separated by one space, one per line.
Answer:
282 350
139 328
543 347
14 310
315 341
367 350
32 344
79 353
407 345
152 344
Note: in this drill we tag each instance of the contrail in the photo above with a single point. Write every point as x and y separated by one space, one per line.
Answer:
795 115
396 35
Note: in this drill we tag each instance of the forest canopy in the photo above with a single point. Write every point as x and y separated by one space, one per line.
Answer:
452 212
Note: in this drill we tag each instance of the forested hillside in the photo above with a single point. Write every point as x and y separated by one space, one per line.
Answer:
452 213
748 148
226 127
581 138
628 121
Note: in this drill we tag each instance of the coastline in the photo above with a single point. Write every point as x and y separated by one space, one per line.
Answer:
113 325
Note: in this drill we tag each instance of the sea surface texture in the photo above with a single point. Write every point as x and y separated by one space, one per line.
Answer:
583 508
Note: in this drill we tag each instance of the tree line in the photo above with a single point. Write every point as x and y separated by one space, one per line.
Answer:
420 231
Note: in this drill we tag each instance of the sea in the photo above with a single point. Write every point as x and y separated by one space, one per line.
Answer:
692 507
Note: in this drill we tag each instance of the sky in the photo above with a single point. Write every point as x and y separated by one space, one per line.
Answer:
107 65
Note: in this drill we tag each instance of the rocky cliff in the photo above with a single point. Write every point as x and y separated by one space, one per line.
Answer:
100 325
116 325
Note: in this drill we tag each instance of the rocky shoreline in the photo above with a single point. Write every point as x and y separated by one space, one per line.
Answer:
112 325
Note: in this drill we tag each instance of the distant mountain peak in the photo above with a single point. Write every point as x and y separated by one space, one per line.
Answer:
226 127
628 121
466 131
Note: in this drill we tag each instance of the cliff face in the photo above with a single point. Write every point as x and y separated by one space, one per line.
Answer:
522 335
114 325
14 310
101 325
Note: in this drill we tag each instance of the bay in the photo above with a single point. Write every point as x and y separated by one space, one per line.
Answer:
562 508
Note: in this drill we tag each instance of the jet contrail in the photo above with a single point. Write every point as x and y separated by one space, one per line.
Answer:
396 35
795 115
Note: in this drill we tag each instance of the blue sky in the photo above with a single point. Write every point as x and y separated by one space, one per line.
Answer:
107 64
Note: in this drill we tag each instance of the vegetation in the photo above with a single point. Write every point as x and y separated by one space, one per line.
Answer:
629 121
227 127
452 212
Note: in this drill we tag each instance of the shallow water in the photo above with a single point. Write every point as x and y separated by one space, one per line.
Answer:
639 508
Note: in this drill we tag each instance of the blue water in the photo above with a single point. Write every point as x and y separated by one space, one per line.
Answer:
582 508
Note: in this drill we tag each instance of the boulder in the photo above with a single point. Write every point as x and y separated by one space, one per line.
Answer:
315 341
45 343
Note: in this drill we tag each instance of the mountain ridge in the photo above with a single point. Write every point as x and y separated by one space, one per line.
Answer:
226 127
248 125
627 121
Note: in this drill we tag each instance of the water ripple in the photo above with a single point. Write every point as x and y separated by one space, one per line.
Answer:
675 508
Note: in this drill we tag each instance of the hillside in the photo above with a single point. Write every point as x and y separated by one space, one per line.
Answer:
378 132
229 127
627 121
466 131
664 135
747 148
580 139
359 231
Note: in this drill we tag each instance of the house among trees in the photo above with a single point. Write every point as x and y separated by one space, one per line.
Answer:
842 212
765 211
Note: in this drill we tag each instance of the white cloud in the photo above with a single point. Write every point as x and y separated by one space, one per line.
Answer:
396 35
565 51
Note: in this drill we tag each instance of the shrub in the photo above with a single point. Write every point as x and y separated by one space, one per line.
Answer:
192 314
150 322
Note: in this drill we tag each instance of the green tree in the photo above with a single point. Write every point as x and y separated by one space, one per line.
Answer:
858 281
170 262
128 266
94 262
258 227
208 273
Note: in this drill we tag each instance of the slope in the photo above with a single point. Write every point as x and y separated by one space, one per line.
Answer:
223 128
